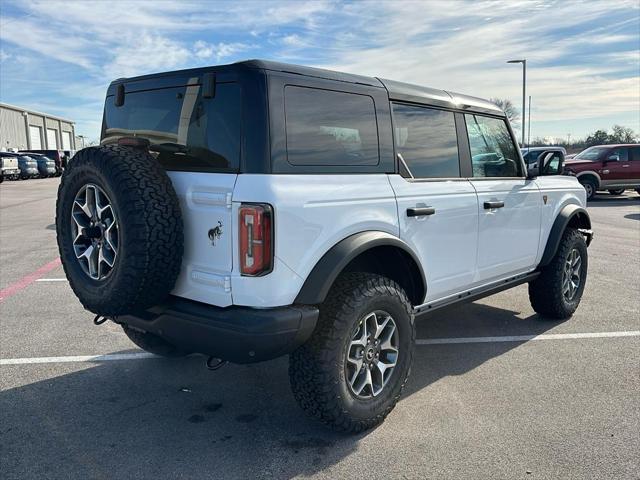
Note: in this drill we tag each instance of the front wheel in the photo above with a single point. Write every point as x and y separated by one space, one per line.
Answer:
350 374
590 186
557 291
616 191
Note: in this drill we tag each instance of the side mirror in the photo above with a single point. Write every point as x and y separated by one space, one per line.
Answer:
613 158
532 171
551 163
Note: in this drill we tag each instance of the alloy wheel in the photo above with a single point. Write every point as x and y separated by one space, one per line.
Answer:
94 229
571 275
372 354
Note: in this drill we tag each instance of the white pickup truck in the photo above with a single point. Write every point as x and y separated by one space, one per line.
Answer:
9 167
258 209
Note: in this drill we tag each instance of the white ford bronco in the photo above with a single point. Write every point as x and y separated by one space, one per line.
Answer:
259 209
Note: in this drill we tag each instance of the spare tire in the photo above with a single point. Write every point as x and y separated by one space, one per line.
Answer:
120 232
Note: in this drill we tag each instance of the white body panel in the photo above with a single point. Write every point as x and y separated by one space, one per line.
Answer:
445 242
560 191
205 200
508 237
462 246
312 213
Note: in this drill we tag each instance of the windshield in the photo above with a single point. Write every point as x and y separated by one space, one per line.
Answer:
591 153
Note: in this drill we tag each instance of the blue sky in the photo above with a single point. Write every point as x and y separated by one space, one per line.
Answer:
583 57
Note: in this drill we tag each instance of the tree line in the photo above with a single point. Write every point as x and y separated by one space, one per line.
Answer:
618 134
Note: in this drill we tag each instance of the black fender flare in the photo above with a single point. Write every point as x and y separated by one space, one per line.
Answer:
324 273
569 214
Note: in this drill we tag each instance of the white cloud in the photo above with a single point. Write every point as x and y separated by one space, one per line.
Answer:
219 51
146 54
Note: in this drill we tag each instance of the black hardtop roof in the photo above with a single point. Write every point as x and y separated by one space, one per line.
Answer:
397 90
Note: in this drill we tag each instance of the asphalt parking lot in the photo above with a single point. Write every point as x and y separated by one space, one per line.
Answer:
559 406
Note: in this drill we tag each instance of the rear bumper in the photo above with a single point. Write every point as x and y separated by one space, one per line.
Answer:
236 334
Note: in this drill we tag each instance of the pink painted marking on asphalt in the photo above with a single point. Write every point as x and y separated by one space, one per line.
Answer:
27 280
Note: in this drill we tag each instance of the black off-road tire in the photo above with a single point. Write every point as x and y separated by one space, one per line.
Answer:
616 191
152 343
545 292
150 229
317 369
590 187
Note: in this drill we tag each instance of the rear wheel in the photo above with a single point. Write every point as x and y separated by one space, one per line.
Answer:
617 191
590 186
557 291
350 374
152 343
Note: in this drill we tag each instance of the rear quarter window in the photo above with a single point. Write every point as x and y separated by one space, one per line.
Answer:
326 127
186 131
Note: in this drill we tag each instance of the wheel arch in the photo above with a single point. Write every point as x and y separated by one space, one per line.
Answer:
590 174
572 216
372 252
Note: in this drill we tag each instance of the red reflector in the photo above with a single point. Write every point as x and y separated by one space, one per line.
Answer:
256 238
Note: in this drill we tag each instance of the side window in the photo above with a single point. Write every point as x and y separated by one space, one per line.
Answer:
186 131
426 139
326 127
621 153
493 153
635 154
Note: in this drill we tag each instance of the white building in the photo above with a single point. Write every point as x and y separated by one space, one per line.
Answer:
24 129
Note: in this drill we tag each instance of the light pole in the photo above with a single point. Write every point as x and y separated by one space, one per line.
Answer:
529 125
524 90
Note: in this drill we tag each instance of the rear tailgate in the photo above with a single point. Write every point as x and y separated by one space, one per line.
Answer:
205 199
9 163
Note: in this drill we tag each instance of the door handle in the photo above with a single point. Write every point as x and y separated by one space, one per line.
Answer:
625 166
420 211
489 205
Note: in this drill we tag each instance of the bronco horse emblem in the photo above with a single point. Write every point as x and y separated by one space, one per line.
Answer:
215 233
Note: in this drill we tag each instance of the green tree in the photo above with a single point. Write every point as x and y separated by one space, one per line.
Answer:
599 137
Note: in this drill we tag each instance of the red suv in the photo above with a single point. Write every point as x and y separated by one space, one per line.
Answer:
607 167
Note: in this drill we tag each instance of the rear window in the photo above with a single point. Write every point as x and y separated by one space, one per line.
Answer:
325 127
186 131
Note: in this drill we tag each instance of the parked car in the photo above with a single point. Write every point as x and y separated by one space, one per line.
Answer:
9 167
258 209
607 167
56 155
28 166
46 166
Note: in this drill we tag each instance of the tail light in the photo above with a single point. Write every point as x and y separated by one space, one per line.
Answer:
256 239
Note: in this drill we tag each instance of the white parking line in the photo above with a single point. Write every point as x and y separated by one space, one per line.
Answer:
78 358
423 341
51 280
526 338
